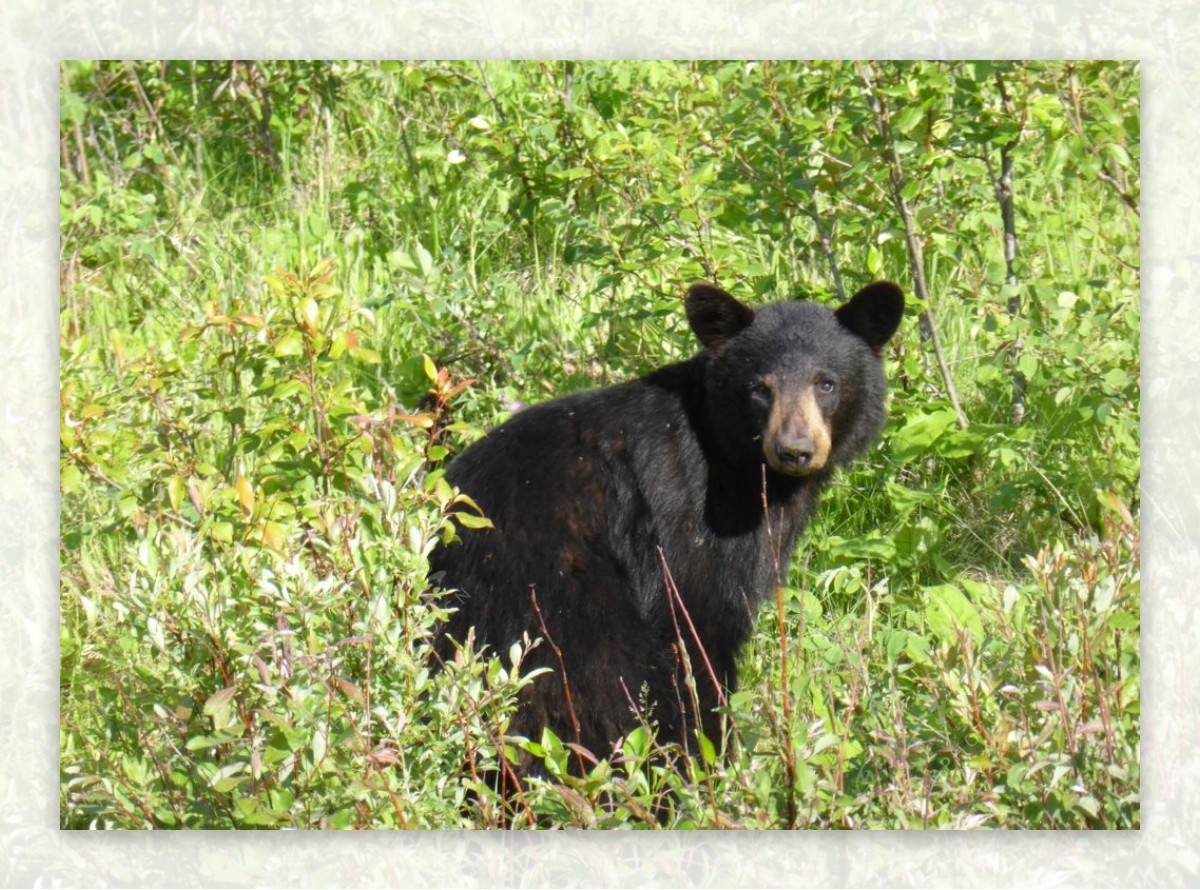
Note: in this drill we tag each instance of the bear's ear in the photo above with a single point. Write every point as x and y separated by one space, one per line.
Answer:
714 315
873 314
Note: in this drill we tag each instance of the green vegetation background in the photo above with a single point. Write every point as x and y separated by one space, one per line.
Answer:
291 291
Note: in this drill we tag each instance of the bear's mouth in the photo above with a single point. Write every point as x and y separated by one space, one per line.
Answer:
797 457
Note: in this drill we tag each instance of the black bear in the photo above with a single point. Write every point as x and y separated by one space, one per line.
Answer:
637 527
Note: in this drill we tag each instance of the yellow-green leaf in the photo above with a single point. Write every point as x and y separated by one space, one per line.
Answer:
470 520
245 494
175 492
274 535
70 478
309 314
219 700
321 270
289 343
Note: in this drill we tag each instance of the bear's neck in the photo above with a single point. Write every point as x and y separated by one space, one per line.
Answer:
753 497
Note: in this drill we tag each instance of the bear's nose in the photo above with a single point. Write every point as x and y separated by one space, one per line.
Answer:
797 453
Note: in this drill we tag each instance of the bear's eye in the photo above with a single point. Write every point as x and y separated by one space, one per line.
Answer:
826 385
760 389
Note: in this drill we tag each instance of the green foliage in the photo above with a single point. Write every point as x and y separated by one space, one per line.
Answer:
291 291
243 618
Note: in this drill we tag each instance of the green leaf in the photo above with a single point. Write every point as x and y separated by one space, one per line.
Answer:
852 550
917 436
895 642
72 108
401 259
908 118
69 479
875 262
229 777
470 520
175 492
337 344
289 343
947 611
917 648
425 259
219 700
637 743
1123 621
1119 155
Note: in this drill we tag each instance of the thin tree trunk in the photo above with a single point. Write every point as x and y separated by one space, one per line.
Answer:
916 252
1005 198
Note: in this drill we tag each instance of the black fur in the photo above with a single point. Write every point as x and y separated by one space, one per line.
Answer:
585 491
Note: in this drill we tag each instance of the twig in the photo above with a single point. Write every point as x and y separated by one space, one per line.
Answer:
565 683
507 773
789 754
675 598
1075 116
516 141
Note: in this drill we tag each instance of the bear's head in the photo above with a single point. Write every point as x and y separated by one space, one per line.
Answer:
795 384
